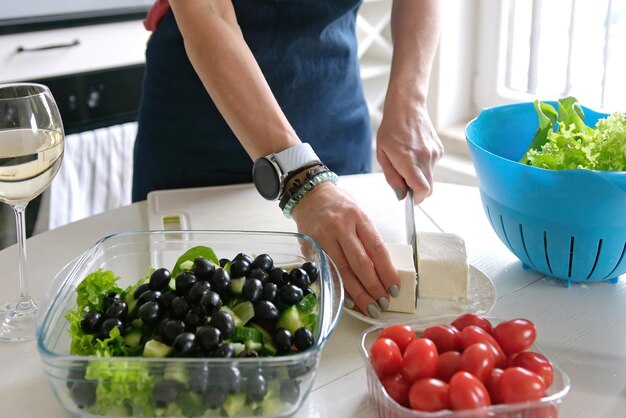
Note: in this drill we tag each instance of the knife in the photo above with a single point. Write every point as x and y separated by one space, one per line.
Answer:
411 233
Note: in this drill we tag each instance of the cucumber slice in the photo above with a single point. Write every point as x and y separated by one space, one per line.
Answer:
245 334
290 319
308 304
236 285
154 348
133 338
186 265
176 372
233 404
245 311
271 406
267 338
236 318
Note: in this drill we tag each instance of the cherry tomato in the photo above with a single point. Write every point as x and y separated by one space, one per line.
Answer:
472 334
429 395
385 357
446 337
515 335
397 388
479 360
449 363
520 385
493 385
420 360
472 319
467 392
536 363
403 335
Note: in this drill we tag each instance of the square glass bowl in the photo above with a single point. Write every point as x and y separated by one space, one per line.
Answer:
129 383
546 407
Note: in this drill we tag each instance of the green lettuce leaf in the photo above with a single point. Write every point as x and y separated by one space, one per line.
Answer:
94 288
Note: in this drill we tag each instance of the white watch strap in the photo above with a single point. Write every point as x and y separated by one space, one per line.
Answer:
295 157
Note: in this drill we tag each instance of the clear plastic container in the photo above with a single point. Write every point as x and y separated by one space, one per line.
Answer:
546 407
129 255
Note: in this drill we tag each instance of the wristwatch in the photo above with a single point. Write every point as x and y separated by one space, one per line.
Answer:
269 172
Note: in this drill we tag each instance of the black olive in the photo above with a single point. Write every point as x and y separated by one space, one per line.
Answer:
184 344
75 374
91 322
149 312
83 393
179 307
108 325
278 276
308 291
252 290
184 281
243 256
203 268
148 296
209 338
303 338
224 322
140 289
220 281
117 309
109 299
192 321
239 268
165 392
170 328
197 291
282 340
297 370
290 391
266 310
210 303
160 279
229 379
213 398
224 261
264 262
299 278
270 291
224 351
311 269
290 294
165 300
199 377
258 273
256 387
248 353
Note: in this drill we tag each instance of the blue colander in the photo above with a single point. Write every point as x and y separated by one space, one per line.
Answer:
568 224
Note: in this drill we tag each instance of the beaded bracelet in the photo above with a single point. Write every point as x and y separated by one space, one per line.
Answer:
319 178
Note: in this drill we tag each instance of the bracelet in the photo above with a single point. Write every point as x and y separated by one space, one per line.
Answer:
319 178
295 179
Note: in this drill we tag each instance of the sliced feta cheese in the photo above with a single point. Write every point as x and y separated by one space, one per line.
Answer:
402 257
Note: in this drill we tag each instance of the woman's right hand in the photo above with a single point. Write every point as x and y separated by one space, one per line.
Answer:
350 238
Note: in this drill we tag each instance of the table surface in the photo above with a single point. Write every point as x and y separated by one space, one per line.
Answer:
580 327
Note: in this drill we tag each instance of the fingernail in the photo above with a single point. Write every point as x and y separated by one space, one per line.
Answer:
399 193
383 303
373 311
348 303
394 290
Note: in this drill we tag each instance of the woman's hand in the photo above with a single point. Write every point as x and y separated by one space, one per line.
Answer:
407 149
352 241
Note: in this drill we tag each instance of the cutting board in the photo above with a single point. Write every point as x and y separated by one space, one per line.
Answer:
239 207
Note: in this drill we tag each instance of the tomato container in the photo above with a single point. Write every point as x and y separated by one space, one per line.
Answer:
546 407
127 390
567 224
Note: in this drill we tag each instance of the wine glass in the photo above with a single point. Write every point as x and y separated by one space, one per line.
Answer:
31 151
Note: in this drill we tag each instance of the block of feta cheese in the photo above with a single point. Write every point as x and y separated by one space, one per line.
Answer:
442 265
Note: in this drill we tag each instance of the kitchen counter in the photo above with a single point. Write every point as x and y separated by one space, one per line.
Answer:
580 327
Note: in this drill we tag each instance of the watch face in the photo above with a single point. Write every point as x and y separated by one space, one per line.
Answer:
266 179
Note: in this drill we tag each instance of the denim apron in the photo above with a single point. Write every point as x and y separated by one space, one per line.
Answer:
306 49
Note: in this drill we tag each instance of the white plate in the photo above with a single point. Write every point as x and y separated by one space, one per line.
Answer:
480 300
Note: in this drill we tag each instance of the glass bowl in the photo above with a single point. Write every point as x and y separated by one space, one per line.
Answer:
128 385
546 407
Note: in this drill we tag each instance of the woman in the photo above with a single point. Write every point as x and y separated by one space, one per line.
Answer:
228 82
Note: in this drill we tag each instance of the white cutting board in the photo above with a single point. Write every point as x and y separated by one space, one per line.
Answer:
239 207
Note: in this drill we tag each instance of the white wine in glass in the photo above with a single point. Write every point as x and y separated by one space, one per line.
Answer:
31 151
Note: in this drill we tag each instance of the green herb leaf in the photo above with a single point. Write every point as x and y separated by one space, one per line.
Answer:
191 254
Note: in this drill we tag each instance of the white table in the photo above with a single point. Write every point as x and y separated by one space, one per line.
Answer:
581 327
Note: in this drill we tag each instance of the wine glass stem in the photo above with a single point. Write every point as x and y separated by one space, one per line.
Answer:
20 225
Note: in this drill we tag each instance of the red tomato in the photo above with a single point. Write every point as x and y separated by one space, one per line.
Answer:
420 360
520 385
472 334
446 337
403 335
429 395
493 385
515 335
479 360
397 388
467 392
472 319
449 363
536 363
385 357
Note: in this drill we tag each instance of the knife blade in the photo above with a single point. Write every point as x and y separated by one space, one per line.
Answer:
411 233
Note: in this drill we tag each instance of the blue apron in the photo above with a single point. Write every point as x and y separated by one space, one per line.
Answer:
307 50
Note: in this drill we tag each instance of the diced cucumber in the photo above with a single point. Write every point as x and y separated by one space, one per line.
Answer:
176 372
245 334
267 338
310 321
267 350
253 345
238 321
236 285
233 404
186 265
245 311
308 304
238 348
271 406
191 404
154 348
133 338
290 319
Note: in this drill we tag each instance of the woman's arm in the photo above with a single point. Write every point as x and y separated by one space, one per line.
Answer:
407 145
